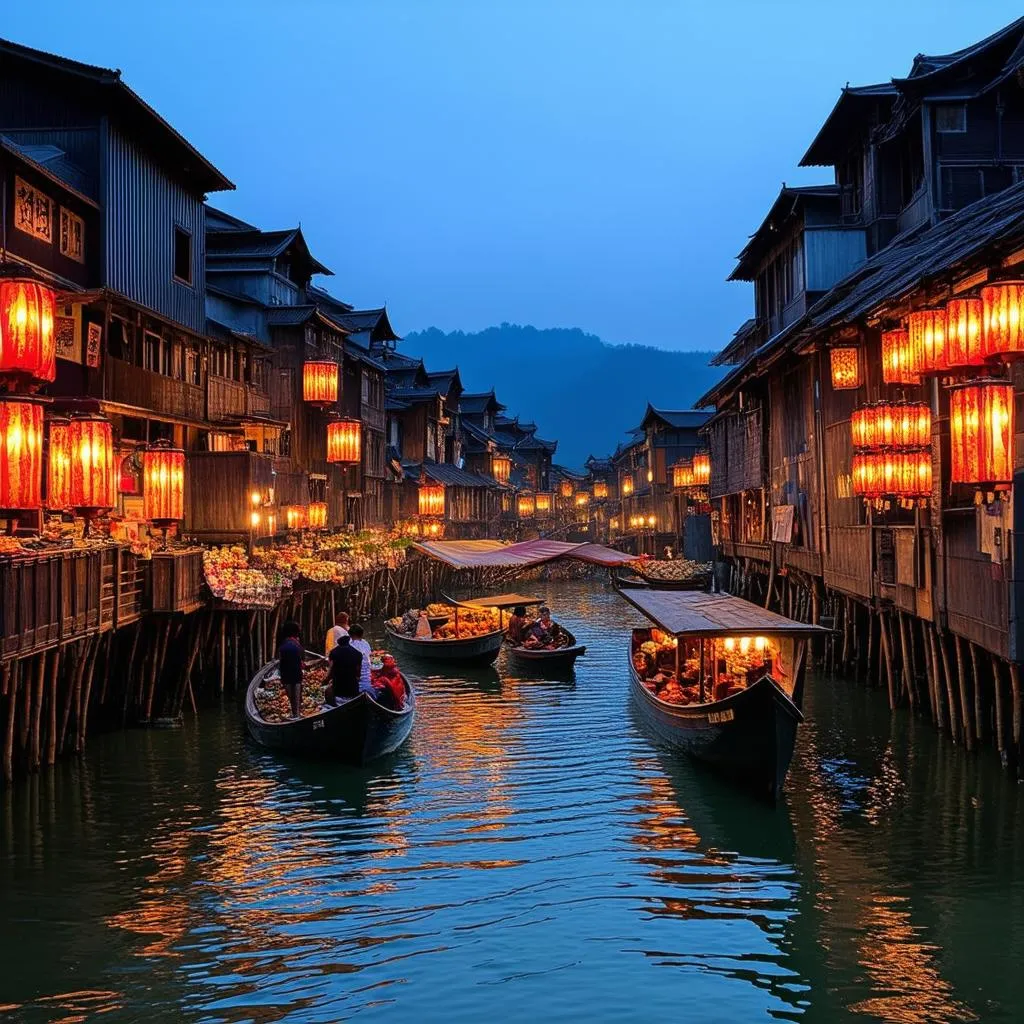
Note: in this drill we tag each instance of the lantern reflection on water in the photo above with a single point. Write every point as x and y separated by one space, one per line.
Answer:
28 347
21 454
981 432
845 365
897 359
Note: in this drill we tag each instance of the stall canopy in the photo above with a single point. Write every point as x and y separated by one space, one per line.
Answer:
480 554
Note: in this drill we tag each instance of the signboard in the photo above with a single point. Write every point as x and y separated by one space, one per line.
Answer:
782 523
94 337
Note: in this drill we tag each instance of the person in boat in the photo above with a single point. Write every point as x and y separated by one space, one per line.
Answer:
517 625
336 632
545 632
343 674
389 686
289 658
358 643
423 630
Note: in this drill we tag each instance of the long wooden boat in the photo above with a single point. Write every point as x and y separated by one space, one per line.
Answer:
742 723
558 659
356 732
472 650
641 582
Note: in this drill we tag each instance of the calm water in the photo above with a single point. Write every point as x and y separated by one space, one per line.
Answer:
531 855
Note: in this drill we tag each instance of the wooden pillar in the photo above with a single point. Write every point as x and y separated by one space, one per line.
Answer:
887 654
965 712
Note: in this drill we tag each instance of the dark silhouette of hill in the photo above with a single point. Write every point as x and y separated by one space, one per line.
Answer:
577 389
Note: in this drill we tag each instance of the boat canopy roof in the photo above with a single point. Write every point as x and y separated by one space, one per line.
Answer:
475 554
498 601
695 613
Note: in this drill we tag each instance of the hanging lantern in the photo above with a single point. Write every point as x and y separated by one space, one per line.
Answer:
963 332
566 489
627 485
501 468
928 347
527 505
981 432
898 425
897 358
683 474
431 499
913 474
845 361
21 454
702 469
163 484
317 515
873 473
543 503
28 347
295 517
582 499
93 483
1002 318
320 382
600 490
58 465
344 441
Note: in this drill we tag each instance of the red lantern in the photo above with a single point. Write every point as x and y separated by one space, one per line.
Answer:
898 425
600 490
981 432
543 503
928 348
58 466
344 441
295 517
627 485
874 473
913 474
527 505
163 484
21 454
431 499
93 483
501 467
897 358
702 469
317 515
683 474
963 332
28 347
845 362
320 382
1002 318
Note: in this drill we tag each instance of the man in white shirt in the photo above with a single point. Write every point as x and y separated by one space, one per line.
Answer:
363 647
336 632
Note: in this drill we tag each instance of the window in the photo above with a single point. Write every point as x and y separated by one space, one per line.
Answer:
951 117
182 256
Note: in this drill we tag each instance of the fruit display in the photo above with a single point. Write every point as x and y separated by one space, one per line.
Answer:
272 701
230 578
437 610
466 628
678 570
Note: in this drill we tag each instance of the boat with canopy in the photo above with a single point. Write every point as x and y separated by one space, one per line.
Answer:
721 680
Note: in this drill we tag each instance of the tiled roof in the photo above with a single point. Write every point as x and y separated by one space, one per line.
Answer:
56 164
478 402
447 474
677 419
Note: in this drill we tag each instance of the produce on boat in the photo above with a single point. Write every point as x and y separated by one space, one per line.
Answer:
677 570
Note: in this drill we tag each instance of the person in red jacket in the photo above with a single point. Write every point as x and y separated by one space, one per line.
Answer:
390 686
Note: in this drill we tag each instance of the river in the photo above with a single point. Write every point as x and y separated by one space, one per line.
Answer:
530 855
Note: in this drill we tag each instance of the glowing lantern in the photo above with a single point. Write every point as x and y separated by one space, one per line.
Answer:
845 362
627 485
21 454
320 382
897 358
963 332
582 499
344 441
527 505
566 489
913 474
650 476
317 515
543 503
93 483
613 523
873 473
295 517
163 484
431 499
651 521
600 490
1002 318
501 468
898 425
702 469
58 466
683 474
28 347
981 432
928 347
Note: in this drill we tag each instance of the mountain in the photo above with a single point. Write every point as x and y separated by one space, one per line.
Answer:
578 390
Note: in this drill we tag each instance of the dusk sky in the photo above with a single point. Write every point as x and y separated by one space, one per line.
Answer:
578 164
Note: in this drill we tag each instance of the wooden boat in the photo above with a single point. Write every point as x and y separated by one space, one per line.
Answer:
745 669
472 650
558 659
640 582
356 732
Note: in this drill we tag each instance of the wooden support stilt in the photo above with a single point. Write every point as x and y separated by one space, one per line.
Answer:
83 718
908 679
937 672
965 711
951 703
37 711
11 677
869 667
997 690
980 715
887 654
71 699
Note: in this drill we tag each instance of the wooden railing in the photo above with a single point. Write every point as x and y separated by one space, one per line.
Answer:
231 399
144 389
371 417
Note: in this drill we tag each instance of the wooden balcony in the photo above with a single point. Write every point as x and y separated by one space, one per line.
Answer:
371 417
143 389
231 400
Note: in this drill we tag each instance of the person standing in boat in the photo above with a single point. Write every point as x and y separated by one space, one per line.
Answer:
516 631
289 657
344 672
358 643
336 632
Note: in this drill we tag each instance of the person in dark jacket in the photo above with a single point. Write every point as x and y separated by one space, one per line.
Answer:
517 625
343 675
289 655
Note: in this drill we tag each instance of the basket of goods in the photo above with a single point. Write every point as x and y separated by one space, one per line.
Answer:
272 700
679 570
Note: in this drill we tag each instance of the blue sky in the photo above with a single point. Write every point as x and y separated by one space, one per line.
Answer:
577 163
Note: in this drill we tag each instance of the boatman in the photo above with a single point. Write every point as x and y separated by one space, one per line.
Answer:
289 658
517 624
343 675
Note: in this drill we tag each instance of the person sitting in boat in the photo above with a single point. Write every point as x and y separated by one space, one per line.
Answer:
336 632
390 689
358 643
545 632
344 672
517 625
423 630
289 657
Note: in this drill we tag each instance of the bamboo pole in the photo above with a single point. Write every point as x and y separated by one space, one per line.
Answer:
965 710
954 721
997 685
73 683
868 668
11 676
38 710
979 716
908 681
937 669
83 718
887 654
